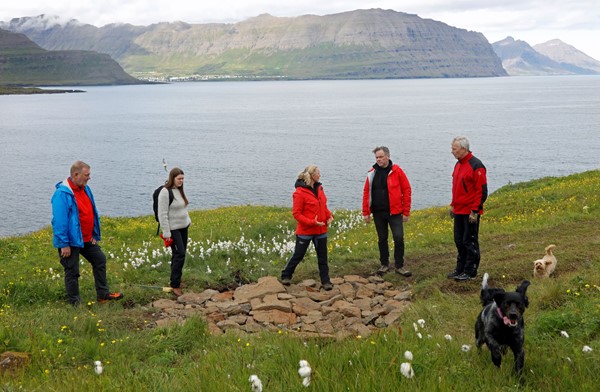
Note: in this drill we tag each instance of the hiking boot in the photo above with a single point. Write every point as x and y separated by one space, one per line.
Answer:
453 274
286 281
463 277
327 286
177 292
110 297
402 271
382 270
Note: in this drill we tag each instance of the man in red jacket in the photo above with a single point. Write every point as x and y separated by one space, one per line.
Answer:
469 192
387 195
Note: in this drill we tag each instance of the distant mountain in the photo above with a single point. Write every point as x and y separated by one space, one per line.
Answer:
357 44
24 63
566 54
519 58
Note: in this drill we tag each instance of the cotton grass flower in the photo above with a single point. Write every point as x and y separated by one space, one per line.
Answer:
564 334
98 367
421 323
255 383
407 370
466 348
304 371
448 338
587 349
408 355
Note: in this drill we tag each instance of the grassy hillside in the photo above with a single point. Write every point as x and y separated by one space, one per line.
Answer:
23 63
239 244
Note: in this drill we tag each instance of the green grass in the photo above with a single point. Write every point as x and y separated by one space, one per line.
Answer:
240 244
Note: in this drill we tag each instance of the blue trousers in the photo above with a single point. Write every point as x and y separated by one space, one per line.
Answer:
94 255
302 242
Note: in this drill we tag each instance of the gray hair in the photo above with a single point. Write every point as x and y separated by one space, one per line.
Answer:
462 141
385 150
78 166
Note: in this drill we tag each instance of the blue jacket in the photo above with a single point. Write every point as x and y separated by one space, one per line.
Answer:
65 217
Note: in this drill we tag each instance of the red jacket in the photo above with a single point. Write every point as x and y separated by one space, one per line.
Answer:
308 208
399 192
469 185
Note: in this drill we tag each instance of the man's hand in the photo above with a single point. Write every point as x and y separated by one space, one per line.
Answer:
367 218
404 218
65 252
473 217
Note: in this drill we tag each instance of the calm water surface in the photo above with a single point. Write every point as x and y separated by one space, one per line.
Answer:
245 142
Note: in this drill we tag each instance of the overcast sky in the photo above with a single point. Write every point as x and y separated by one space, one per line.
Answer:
576 22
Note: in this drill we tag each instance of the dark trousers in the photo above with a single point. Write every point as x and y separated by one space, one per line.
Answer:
466 238
178 249
302 242
94 255
382 221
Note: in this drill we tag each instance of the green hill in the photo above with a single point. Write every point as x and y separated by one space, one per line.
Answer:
237 245
23 63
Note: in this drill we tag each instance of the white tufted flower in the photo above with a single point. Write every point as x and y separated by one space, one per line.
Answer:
419 335
421 323
415 327
407 370
255 383
305 372
587 349
408 355
466 348
98 368
564 334
448 337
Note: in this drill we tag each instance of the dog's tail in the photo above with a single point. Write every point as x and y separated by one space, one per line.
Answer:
484 282
549 249
486 295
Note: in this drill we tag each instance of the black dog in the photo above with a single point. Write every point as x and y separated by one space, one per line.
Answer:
500 323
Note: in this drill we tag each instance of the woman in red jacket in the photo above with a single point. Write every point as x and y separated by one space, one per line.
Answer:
311 212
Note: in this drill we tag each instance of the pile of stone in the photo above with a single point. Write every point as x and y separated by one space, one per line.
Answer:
356 306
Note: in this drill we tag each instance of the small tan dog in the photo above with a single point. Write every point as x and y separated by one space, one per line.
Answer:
545 266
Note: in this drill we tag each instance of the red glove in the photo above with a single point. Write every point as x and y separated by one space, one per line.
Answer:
168 241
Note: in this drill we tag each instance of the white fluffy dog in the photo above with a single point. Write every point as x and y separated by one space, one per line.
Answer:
545 266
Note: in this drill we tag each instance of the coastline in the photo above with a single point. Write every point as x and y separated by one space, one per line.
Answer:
9 90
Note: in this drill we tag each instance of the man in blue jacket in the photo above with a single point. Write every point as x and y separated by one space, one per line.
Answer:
76 226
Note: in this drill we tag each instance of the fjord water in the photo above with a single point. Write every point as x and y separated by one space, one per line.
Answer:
244 142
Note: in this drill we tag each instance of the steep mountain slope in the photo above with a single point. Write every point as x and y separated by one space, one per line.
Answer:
24 63
519 58
566 54
357 44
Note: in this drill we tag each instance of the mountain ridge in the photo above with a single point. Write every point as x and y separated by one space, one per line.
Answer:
553 57
371 43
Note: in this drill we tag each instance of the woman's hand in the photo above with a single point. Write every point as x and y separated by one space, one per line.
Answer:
317 221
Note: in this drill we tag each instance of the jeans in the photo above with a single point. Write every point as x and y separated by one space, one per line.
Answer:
382 221
178 249
466 238
94 255
302 242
